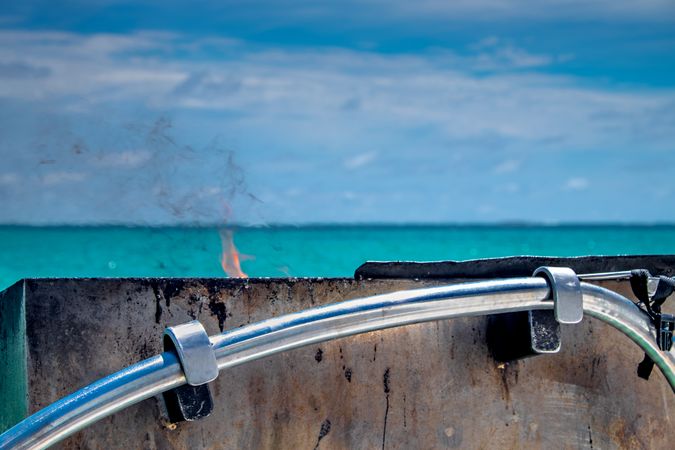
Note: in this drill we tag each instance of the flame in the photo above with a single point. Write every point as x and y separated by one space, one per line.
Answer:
230 256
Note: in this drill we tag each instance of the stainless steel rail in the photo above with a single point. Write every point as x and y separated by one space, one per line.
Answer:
161 373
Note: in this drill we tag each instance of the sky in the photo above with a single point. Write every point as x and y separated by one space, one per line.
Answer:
266 112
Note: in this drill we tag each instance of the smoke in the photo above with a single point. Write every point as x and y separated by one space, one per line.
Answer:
193 185
139 173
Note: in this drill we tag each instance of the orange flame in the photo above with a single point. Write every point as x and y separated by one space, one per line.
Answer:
230 256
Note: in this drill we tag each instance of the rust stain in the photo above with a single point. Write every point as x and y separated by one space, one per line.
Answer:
623 434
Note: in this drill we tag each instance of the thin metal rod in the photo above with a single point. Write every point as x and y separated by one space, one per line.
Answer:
652 282
161 373
621 275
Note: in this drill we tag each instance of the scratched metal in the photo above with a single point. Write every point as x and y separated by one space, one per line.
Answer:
431 385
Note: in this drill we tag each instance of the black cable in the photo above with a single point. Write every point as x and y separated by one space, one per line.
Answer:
664 323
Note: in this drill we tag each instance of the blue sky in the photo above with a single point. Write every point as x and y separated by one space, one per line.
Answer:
301 112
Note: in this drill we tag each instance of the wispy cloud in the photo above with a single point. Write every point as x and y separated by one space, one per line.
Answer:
577 184
509 188
509 57
60 177
124 159
287 86
441 121
502 10
508 166
360 160
18 69
8 178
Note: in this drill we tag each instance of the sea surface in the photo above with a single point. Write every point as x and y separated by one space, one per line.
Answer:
326 251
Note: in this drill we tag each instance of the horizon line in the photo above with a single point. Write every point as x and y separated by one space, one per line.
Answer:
458 224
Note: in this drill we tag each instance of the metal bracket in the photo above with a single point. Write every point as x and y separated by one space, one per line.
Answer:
568 301
665 329
652 282
567 308
191 343
521 335
544 332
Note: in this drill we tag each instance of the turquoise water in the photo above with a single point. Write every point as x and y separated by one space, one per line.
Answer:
297 251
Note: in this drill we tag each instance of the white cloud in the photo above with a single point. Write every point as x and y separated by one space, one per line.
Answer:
486 10
509 57
577 184
288 89
208 191
487 42
508 188
61 177
508 166
485 209
7 179
360 160
129 159
294 192
291 110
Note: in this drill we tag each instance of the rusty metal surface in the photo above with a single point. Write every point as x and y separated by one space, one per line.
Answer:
431 385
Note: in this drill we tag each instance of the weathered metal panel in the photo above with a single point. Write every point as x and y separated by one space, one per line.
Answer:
430 385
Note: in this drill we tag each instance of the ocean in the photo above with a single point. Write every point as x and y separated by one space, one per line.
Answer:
280 251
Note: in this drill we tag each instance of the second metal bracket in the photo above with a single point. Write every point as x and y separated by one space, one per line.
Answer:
520 335
191 343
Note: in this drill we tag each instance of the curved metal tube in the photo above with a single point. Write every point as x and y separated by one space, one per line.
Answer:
161 373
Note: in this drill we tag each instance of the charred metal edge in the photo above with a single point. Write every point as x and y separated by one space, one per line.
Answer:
512 266
510 336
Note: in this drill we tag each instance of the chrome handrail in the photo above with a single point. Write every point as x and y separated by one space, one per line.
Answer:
163 372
